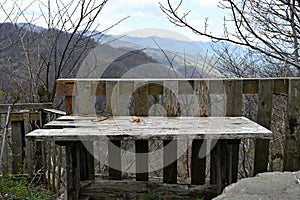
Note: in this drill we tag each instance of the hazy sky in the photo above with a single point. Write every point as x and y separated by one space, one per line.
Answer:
147 14
143 14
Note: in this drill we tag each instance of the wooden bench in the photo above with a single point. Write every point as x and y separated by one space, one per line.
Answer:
225 132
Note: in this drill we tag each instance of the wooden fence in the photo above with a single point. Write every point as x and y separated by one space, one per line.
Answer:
20 156
24 157
232 90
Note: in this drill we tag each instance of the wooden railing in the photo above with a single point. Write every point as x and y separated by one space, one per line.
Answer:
232 90
24 157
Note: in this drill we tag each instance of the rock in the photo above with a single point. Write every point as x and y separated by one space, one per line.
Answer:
271 185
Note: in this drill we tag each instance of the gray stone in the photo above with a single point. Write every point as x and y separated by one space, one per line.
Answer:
271 185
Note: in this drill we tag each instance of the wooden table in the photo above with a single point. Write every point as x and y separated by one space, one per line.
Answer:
72 131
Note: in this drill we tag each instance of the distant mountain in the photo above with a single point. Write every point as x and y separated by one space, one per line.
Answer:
188 58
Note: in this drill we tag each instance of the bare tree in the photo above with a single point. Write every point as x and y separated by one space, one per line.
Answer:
56 50
270 27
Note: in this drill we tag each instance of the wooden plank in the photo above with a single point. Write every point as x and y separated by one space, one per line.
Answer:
250 86
213 162
292 135
141 146
98 88
264 116
82 103
202 99
233 97
140 99
198 162
25 106
66 89
53 166
142 169
69 105
73 170
126 87
222 167
281 86
232 160
233 107
185 87
155 88
170 98
216 86
28 161
17 147
114 159
112 98
5 158
170 161
158 128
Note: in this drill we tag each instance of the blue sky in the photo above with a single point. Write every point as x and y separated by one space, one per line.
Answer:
144 14
147 14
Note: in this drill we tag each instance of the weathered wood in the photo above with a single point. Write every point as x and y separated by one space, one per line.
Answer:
5 158
292 135
170 161
198 163
141 146
233 107
114 159
112 98
233 158
264 115
140 99
82 102
222 169
126 189
28 161
69 105
24 106
73 170
17 147
157 128
213 162
170 98
142 169
66 89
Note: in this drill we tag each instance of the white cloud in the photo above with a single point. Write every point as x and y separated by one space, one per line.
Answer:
207 3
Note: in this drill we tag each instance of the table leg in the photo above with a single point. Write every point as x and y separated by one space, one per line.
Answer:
114 159
198 165
170 161
224 163
141 149
73 170
233 153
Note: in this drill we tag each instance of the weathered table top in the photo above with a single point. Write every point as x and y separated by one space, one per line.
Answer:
75 128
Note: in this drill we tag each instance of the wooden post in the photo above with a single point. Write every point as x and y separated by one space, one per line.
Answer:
291 160
17 147
170 103
5 158
170 161
198 165
233 105
114 159
264 115
114 146
73 170
28 146
141 146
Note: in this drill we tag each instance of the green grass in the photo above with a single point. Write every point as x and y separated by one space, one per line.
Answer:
19 189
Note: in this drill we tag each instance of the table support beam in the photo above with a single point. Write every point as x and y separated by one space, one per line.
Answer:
170 161
198 162
142 169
